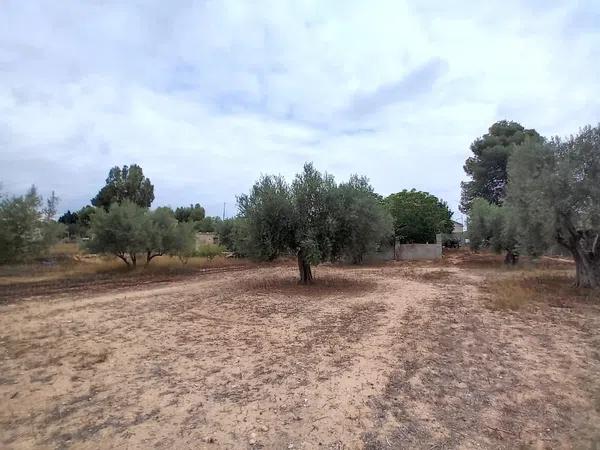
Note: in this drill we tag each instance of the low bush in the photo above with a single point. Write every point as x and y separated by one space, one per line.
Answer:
209 251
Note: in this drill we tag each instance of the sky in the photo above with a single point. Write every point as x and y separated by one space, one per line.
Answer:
208 95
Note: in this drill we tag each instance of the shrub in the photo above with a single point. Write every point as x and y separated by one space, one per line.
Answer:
209 251
26 230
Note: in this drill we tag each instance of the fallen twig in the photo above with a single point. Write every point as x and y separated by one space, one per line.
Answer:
500 429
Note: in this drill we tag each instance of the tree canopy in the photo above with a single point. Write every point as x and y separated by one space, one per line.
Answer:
492 226
362 221
128 230
487 168
126 183
313 218
192 213
554 191
418 216
233 235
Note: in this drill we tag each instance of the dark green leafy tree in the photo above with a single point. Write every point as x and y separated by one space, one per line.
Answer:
208 224
192 213
69 220
554 192
487 168
418 216
196 215
126 183
84 219
78 223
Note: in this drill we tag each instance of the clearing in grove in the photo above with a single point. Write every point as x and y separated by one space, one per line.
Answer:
460 353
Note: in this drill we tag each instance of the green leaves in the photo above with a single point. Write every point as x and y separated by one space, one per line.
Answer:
491 226
418 216
314 217
127 183
26 231
127 230
488 165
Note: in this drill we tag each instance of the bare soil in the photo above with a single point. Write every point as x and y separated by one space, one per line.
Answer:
389 356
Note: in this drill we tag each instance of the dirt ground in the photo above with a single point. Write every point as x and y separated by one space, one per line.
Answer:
382 357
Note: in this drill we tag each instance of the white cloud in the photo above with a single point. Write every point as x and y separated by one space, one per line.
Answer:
208 95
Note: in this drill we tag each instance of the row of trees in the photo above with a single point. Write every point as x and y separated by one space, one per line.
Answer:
313 217
539 193
129 184
120 223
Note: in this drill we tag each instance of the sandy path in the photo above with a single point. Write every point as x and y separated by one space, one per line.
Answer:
202 361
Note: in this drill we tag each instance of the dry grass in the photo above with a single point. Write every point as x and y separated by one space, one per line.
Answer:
528 288
79 273
68 260
437 276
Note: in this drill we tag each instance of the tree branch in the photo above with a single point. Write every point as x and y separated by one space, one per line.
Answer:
123 257
151 255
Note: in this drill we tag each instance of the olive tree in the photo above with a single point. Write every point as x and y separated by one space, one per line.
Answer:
312 218
233 235
554 191
362 222
161 233
492 226
127 230
121 231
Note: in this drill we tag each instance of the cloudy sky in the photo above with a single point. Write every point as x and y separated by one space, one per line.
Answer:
207 95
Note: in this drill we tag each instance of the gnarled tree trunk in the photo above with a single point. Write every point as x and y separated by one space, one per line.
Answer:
587 268
511 257
584 245
304 269
150 256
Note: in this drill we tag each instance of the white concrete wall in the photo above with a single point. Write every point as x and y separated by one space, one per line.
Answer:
416 252
206 238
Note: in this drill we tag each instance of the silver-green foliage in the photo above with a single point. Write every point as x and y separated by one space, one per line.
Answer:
127 231
26 229
554 192
313 218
